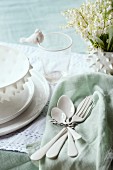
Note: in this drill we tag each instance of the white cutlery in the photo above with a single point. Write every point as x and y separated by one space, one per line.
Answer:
72 150
61 115
74 133
56 147
39 154
58 115
66 105
83 110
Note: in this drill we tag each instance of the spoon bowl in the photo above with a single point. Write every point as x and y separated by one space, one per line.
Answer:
66 105
58 115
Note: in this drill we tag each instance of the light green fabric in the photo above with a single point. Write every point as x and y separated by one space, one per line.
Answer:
15 161
97 131
19 18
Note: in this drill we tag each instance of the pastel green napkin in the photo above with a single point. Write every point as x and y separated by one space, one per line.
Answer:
95 146
10 160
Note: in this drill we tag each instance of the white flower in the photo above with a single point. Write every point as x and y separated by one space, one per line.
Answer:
109 8
109 22
110 16
92 18
102 24
105 30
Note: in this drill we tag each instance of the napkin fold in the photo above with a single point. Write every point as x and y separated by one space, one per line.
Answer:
96 143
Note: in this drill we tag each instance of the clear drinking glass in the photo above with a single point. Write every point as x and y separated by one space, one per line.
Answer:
55 52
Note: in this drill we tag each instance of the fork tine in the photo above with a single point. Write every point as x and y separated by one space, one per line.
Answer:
84 114
84 104
80 106
85 107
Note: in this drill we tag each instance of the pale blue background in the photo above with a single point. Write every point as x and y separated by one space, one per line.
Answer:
20 18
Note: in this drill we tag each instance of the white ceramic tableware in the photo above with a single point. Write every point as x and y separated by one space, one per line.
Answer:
56 147
40 98
14 69
42 151
66 105
18 103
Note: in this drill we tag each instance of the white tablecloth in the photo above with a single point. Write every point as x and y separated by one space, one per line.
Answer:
34 131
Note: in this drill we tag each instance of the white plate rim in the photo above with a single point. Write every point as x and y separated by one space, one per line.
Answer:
4 130
30 87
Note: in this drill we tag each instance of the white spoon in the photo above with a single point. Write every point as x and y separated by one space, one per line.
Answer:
72 150
58 115
39 154
66 105
56 147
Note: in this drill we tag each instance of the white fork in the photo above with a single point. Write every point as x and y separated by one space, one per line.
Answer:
81 114
83 110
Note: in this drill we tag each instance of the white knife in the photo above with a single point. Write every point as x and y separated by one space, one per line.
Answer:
56 147
39 154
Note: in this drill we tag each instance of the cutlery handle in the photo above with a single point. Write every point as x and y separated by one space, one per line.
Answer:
72 150
42 151
56 147
74 133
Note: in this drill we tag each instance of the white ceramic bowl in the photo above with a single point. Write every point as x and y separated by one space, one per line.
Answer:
14 72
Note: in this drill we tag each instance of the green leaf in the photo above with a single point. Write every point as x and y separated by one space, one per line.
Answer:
109 12
91 41
110 46
110 36
112 3
100 43
104 38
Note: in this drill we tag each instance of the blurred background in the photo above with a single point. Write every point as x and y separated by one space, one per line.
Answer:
19 18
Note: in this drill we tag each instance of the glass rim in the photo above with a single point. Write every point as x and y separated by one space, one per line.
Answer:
68 46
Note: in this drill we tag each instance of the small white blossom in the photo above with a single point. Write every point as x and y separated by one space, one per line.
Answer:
109 8
109 22
92 19
102 24
105 30
110 16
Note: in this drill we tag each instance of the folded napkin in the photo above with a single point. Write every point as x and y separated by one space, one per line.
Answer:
95 146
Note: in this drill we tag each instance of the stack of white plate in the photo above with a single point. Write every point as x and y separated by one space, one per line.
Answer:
23 92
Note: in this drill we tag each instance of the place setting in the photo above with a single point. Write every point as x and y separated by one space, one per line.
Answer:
26 92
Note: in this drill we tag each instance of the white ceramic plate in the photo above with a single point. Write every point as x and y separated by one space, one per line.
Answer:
18 103
40 98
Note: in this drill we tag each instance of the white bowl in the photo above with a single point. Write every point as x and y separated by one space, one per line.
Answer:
14 69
